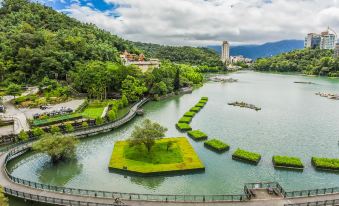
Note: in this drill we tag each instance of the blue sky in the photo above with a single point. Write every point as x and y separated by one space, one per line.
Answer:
204 22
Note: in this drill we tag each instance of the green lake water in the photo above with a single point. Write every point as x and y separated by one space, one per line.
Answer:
293 121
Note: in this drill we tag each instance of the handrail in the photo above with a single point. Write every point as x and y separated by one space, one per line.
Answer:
56 201
317 203
310 193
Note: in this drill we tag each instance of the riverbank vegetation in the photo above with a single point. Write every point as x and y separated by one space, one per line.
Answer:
325 163
169 155
246 156
3 198
287 162
56 146
216 145
307 61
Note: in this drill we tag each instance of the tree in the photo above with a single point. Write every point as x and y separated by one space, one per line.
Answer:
69 127
3 199
84 125
37 132
112 115
147 134
124 100
58 147
55 129
177 80
99 121
133 88
23 136
13 89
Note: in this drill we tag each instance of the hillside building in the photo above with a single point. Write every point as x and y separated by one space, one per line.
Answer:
225 52
325 40
139 61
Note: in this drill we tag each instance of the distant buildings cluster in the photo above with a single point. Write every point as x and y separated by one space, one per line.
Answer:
227 59
139 61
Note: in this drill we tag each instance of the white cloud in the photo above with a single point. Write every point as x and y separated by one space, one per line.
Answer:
203 22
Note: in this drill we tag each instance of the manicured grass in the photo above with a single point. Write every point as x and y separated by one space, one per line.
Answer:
184 126
246 156
287 162
200 105
216 145
195 109
325 163
180 157
197 135
93 112
189 114
185 120
56 119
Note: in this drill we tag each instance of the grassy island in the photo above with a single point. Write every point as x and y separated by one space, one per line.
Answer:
195 109
246 156
325 163
189 114
169 155
185 120
287 162
200 105
197 135
183 127
216 145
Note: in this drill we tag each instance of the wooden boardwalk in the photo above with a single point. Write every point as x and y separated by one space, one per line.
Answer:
77 197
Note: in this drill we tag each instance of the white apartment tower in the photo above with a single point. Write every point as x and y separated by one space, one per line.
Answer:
225 52
336 50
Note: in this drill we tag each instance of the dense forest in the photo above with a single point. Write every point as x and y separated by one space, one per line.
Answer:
307 61
184 54
39 44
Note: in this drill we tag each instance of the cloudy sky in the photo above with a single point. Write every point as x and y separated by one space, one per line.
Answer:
205 22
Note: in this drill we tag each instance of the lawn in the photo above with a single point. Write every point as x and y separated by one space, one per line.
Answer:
93 112
180 157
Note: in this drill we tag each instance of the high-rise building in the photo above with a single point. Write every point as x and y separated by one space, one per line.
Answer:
225 52
336 50
328 40
325 40
312 41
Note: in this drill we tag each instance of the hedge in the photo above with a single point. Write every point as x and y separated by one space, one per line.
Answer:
56 119
197 135
216 145
246 156
189 114
185 120
195 109
287 162
325 163
183 126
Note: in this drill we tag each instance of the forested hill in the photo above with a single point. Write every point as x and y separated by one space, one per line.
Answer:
307 61
181 54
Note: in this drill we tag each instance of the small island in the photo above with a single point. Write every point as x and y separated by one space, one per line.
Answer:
245 105
222 79
326 164
246 156
328 95
284 162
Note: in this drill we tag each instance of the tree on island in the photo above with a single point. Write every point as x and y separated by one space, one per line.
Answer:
147 134
177 80
56 146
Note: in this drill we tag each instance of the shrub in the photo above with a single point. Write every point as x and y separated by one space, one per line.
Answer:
246 156
84 125
23 136
284 161
197 135
216 145
189 114
183 126
37 132
185 120
44 121
195 109
124 100
55 129
200 105
99 121
325 163
69 127
112 115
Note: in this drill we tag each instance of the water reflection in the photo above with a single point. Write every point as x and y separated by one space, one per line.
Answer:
148 182
59 174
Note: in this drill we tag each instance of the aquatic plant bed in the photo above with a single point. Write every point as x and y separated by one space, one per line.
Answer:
185 120
200 105
285 162
189 114
195 109
245 105
246 156
325 163
184 126
216 145
180 157
56 119
197 135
